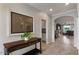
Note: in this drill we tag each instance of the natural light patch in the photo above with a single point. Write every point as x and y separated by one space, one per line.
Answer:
66 40
66 4
66 28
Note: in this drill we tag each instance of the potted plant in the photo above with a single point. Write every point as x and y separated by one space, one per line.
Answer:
26 35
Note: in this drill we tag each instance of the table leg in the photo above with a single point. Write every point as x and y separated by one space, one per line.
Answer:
5 51
35 45
40 47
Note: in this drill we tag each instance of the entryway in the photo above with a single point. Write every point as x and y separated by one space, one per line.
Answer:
64 26
43 31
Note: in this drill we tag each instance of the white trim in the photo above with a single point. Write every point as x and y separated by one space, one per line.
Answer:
53 40
47 42
46 30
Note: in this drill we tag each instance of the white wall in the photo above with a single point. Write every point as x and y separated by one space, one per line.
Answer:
77 28
48 26
5 23
2 28
50 29
44 24
48 19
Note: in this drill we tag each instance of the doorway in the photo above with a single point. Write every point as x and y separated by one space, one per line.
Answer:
64 29
44 31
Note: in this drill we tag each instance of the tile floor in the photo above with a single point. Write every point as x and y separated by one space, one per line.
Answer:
62 46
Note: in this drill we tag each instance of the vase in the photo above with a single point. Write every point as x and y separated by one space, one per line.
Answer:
26 39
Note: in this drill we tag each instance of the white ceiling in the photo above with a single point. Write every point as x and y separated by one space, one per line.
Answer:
57 7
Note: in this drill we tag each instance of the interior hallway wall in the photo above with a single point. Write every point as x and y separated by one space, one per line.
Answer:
25 9
77 29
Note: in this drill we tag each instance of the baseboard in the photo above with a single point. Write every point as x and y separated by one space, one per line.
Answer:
53 40
78 51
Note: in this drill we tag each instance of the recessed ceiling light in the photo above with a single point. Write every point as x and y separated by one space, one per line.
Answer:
50 9
66 4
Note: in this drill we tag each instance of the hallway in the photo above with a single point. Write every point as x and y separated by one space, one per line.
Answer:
62 46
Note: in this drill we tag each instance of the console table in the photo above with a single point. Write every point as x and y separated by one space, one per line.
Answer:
13 46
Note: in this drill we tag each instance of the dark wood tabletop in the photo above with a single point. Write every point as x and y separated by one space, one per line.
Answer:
12 46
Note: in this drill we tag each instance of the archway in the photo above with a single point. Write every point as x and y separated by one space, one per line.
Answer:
64 25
